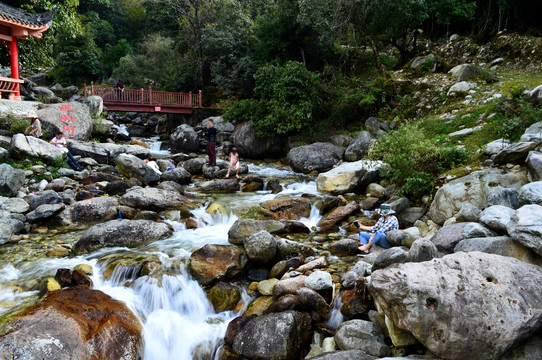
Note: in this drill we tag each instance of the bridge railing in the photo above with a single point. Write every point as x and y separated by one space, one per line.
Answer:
112 95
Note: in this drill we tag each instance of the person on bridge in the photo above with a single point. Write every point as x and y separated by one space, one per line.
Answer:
120 89
211 142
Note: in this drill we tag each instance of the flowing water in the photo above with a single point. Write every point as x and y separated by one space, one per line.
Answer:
178 320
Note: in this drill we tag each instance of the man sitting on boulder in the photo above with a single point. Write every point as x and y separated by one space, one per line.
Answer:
377 234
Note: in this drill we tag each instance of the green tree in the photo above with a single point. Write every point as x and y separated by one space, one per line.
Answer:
287 98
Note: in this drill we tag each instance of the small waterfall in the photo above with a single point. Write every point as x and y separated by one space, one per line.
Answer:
121 129
313 218
336 317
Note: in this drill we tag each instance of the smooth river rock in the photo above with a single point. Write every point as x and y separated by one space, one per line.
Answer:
318 157
75 323
122 232
243 228
348 177
361 335
154 199
463 306
213 263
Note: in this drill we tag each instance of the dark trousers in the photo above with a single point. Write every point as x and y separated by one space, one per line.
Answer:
73 163
211 151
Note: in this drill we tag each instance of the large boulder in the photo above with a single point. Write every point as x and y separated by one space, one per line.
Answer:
359 146
484 298
132 166
503 196
105 153
90 211
465 72
289 208
220 124
534 164
260 247
184 139
278 336
195 166
499 245
497 217
253 146
11 180
28 146
525 226
514 153
154 199
178 175
472 189
95 104
318 157
446 238
44 211
241 229
122 232
361 335
73 119
531 193
75 323
349 177
213 263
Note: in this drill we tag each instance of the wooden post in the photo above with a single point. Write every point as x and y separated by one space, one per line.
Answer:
92 88
200 98
14 54
150 95
85 90
142 95
190 99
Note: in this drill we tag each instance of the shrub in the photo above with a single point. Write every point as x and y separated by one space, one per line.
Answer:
18 124
414 160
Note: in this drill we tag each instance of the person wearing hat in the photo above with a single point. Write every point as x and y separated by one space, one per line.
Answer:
234 162
376 234
34 129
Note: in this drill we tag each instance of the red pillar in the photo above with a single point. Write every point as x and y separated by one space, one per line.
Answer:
14 53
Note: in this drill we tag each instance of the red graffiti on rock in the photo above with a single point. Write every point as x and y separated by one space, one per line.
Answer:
68 130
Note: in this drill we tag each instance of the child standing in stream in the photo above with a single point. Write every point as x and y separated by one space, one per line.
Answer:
234 162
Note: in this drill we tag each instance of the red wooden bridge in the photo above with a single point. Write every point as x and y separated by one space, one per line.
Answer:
141 100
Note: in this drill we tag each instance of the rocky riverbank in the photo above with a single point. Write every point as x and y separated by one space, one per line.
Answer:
265 267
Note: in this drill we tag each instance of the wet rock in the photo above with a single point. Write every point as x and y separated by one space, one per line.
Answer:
178 175
280 336
171 186
213 263
531 193
361 335
345 247
294 227
359 270
242 229
289 208
128 233
534 164
288 286
132 166
274 186
184 139
473 189
224 296
265 287
475 230
525 226
254 147
11 180
394 255
79 277
260 247
349 177
318 157
283 266
499 245
488 284
446 238
313 301
154 199
497 217
252 183
106 153
287 249
329 223
359 146
422 250
259 306
234 327
514 153
221 186
56 328
91 211
44 211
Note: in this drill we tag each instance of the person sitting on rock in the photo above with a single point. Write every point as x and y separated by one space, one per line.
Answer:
234 162
153 165
60 142
377 234
34 129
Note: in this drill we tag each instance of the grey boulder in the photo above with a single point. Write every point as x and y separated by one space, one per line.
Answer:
243 228
361 335
11 180
525 226
73 119
132 166
260 247
154 199
531 193
359 146
514 153
499 245
497 217
318 157
184 139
